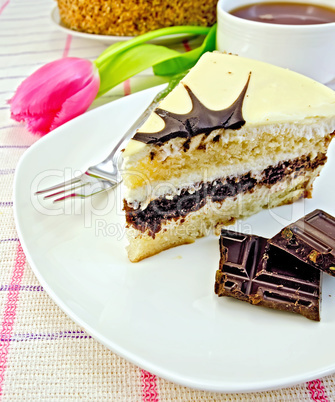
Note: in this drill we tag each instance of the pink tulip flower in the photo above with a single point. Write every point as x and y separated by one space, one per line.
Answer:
65 88
55 94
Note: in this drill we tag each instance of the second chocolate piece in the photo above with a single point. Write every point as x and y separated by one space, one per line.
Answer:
311 239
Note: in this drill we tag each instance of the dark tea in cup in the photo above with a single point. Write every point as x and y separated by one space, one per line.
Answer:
288 13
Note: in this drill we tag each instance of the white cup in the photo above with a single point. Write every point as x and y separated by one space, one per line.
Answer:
307 49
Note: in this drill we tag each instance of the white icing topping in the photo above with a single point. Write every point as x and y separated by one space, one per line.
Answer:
274 95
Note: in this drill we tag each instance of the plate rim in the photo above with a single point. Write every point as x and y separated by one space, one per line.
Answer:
214 386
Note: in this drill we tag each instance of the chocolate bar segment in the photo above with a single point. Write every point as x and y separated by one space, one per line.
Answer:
253 270
311 239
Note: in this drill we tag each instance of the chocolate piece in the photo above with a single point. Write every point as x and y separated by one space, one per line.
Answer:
252 270
200 120
311 239
162 209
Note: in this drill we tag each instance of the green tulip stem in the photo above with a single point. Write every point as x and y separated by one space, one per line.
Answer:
122 46
123 60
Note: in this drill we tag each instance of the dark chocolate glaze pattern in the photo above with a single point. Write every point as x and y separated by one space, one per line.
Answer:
200 120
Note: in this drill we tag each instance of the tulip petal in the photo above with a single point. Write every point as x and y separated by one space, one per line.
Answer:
39 125
40 98
76 104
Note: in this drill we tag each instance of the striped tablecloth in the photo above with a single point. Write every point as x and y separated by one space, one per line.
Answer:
44 356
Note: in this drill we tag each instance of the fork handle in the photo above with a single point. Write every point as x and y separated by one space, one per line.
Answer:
128 134
108 169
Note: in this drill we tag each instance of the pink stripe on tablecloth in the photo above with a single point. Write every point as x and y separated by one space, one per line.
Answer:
10 311
5 4
126 87
317 391
67 45
149 387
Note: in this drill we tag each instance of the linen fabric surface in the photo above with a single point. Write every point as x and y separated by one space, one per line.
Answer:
44 356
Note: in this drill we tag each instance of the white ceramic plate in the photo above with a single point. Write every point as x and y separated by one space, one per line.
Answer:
161 313
110 39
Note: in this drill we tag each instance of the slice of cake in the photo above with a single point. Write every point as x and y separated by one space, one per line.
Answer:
235 136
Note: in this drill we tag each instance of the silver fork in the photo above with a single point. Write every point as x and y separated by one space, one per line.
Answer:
105 175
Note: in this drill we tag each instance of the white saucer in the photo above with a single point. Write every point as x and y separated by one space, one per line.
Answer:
109 39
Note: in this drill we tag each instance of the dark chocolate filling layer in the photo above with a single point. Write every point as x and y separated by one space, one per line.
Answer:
162 209
200 120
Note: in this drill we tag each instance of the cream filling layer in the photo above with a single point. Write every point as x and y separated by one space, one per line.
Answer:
223 212
191 181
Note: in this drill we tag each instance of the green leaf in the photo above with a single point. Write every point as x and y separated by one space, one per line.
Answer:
139 40
185 61
123 60
124 65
